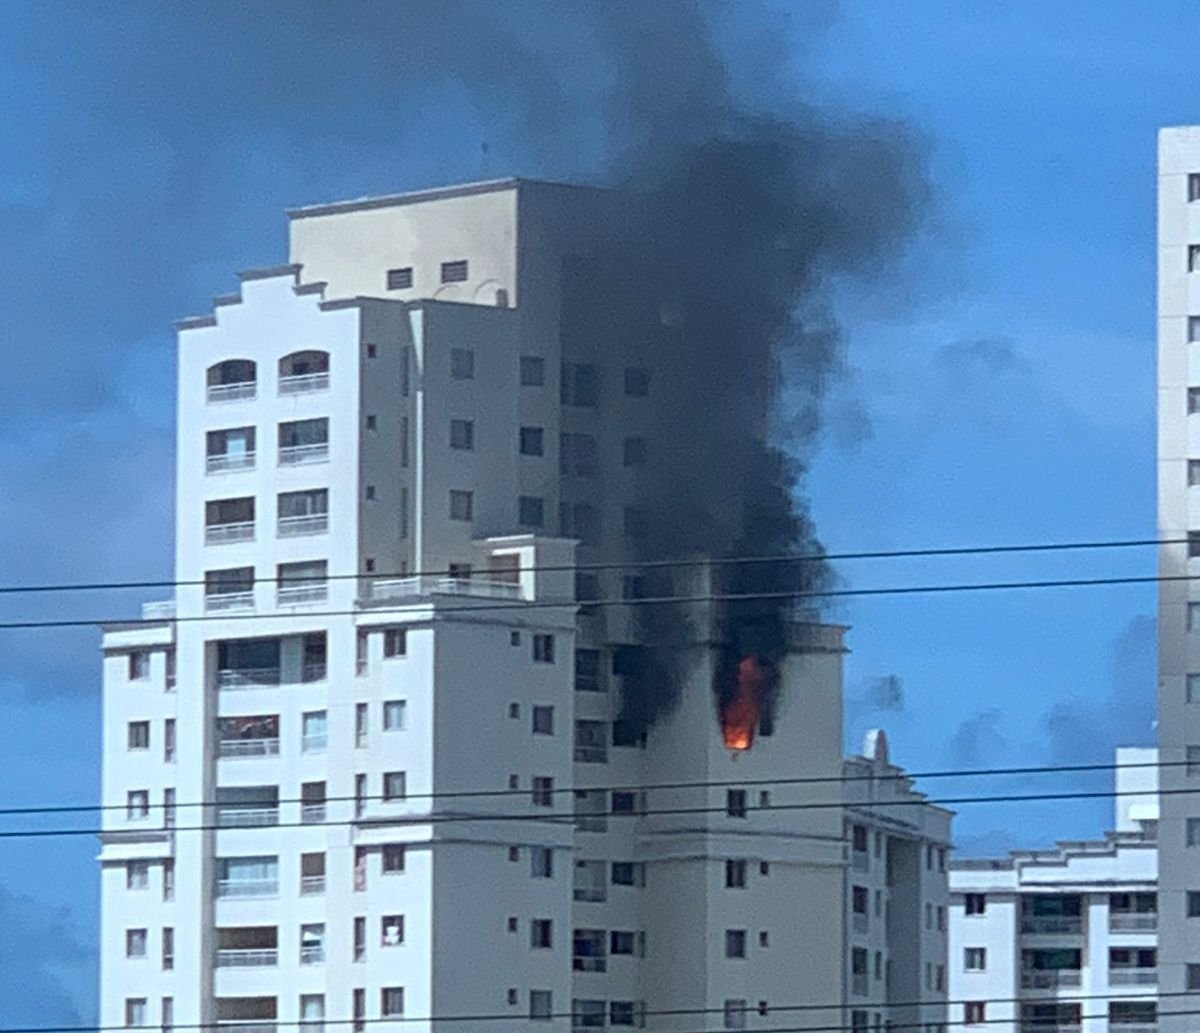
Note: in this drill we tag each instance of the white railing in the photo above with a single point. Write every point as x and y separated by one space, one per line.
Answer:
314 742
247 887
230 957
1051 925
247 817
312 813
214 601
302 383
312 885
222 534
227 462
248 748
163 609
1132 976
404 587
861 922
247 677
297 526
301 592
1048 979
232 392
1132 921
312 955
860 860
590 894
295 455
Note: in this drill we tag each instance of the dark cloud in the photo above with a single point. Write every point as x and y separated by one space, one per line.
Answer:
978 741
885 694
41 958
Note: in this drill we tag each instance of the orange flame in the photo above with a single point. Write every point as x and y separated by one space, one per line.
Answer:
739 716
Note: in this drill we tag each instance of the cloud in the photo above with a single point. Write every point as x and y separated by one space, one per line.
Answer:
41 956
978 741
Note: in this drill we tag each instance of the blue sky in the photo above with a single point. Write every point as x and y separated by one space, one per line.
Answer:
1002 391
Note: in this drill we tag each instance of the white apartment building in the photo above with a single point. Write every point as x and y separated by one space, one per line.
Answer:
341 788
897 897
1179 523
1064 940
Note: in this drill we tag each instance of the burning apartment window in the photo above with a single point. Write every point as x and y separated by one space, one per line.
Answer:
543 649
735 875
735 803
628 733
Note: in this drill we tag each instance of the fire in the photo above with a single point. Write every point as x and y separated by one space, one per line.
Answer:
739 714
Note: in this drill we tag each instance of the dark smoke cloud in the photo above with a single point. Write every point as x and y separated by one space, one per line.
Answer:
978 741
886 693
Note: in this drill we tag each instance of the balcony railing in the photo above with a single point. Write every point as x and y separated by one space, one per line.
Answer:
313 672
248 887
1117 1026
1132 976
217 601
588 683
301 592
589 964
312 885
1050 978
162 609
229 462
312 813
247 817
314 742
405 587
1050 1027
247 677
248 748
312 955
1052 925
296 455
303 383
222 534
299 526
258 957
861 922
1132 921
240 391
590 894
591 754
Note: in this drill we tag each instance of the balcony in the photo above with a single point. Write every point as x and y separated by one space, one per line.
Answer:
299 455
298 594
303 383
591 754
311 672
314 742
246 958
245 888
1050 978
246 1026
301 526
229 462
240 392
312 813
248 748
163 609
590 894
312 954
408 587
247 817
312 885
218 602
1117 1026
1132 921
1050 1027
1132 976
223 534
231 678
589 964
1052 925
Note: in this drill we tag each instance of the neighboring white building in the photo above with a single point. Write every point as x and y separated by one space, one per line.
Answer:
1179 523
391 404
897 897
1063 940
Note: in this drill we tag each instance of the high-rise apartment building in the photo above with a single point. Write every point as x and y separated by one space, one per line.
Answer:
366 764
1179 524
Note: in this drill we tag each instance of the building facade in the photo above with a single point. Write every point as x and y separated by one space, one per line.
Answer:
365 764
1064 939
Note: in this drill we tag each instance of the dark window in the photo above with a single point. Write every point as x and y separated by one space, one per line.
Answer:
398 279
530 511
531 441
462 435
735 803
634 452
580 385
735 875
533 371
462 505
462 364
454 272
637 382
735 943
626 733
577 454
541 933
543 649
975 904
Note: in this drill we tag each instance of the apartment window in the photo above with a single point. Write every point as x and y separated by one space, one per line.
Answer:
628 873
735 943
735 875
735 1013
359 1010
391 930
941 918
139 665
634 452
543 791
139 735
135 943
135 1011
858 899
168 1015
622 942
1193 393
462 435
137 804
403 450
1192 830
637 382
859 1021
168 949
541 933
543 720
514 710
543 649
580 385
533 371
462 505
302 582
169 740
531 511
532 443
939 978
454 272
541 862
879 964
372 351
395 714
1193 688
941 859
622 1013
392 859
975 959
974 1013
1193 258
512 995
168 876
764 938
391 1001
627 733
400 279
395 642
735 803
361 715
462 364
1193 977
393 786
137 875
975 904
1193 762
360 938
541 1004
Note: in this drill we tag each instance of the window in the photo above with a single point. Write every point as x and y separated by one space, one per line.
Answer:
928 916
543 791
941 858
624 802
462 364
858 1021
634 453
941 918
578 454
541 1004
137 875
735 943
735 1013
302 582
1193 258
514 710
400 279
512 995
541 933
169 741
858 899
735 803
359 1009
168 1015
395 642
361 726
1193 394
1192 832
139 665
939 977
580 385
541 862
622 942
393 786
391 1002
139 735
974 1013
975 904
543 649
1193 762
1193 688
637 382
543 720
137 804
135 1011
1193 977
622 1013
587 1014
532 443
627 733
1193 904
454 272
530 511
533 371
1193 185
735 875
587 587
314 731
135 943
628 873
395 714
392 858
391 930
462 435
360 938
168 875
168 948
462 505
